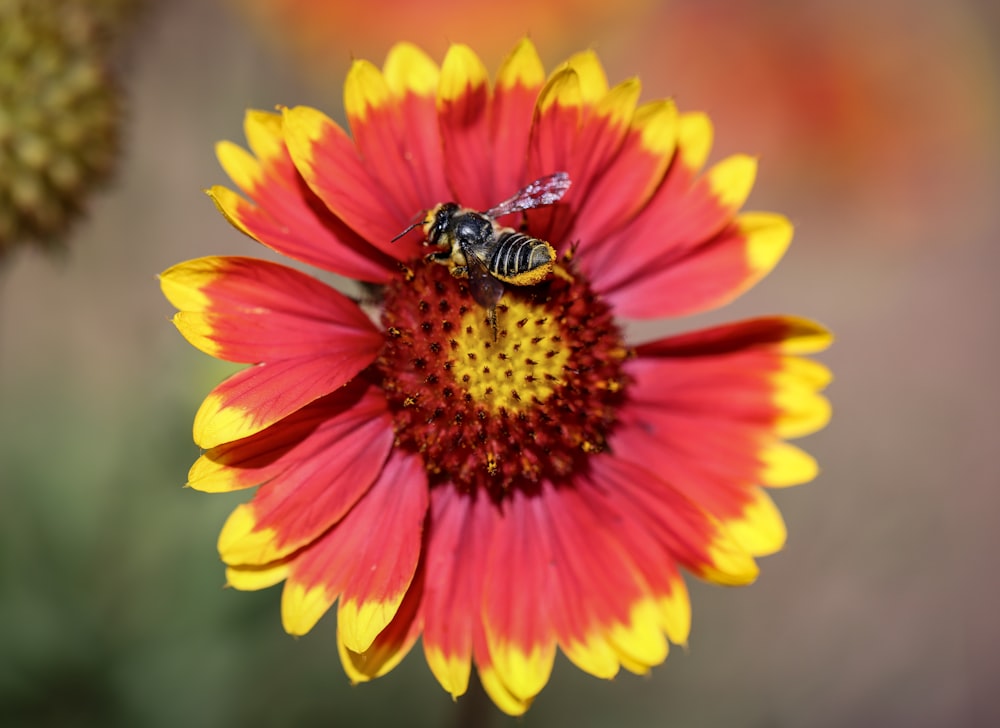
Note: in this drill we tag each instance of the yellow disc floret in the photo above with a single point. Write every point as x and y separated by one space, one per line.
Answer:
522 368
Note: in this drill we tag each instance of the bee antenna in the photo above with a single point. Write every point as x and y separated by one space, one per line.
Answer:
418 218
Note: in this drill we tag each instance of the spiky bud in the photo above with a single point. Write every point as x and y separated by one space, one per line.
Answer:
59 113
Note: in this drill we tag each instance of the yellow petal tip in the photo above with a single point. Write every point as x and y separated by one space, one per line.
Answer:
522 67
408 69
462 72
302 607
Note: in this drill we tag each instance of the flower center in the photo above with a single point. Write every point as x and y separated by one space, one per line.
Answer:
503 409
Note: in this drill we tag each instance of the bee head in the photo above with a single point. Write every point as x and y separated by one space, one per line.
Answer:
437 222
434 222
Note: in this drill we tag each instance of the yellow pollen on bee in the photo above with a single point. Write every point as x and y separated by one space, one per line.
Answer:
522 367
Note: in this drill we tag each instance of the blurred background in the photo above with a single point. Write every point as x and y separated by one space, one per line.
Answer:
878 129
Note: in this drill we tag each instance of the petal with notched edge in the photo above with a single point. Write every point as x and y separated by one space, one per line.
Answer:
368 559
519 631
460 528
249 310
463 104
314 484
708 275
283 213
707 411
297 447
392 644
688 533
518 82
329 163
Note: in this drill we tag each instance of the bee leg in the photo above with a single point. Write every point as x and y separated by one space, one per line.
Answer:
460 271
561 272
491 314
441 256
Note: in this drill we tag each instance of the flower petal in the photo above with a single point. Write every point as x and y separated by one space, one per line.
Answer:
392 644
321 239
460 530
681 220
655 564
518 82
624 184
519 631
413 78
694 140
603 605
463 104
249 310
394 118
297 444
254 578
490 679
556 123
759 527
329 163
257 397
368 559
708 411
688 532
312 484
710 275
552 147
590 72
285 214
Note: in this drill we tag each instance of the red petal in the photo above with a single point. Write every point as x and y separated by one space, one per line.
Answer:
378 129
519 80
393 643
519 630
460 530
587 145
249 310
256 398
297 445
552 148
384 551
654 562
708 275
681 216
642 500
328 160
368 558
287 215
716 403
602 601
322 477
464 114
311 234
619 189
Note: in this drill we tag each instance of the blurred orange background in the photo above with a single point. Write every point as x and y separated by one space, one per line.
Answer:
878 130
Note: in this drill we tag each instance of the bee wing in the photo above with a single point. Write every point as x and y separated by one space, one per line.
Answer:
484 287
543 191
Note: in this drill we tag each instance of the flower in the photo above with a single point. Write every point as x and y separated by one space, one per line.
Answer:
499 492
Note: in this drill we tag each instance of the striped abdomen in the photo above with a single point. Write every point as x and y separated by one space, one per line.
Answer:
520 259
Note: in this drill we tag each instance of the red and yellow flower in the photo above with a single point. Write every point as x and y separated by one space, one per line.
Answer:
501 493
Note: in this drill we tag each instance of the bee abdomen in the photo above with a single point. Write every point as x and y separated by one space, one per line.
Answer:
520 259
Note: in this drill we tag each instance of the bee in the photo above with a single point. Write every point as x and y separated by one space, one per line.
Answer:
475 246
